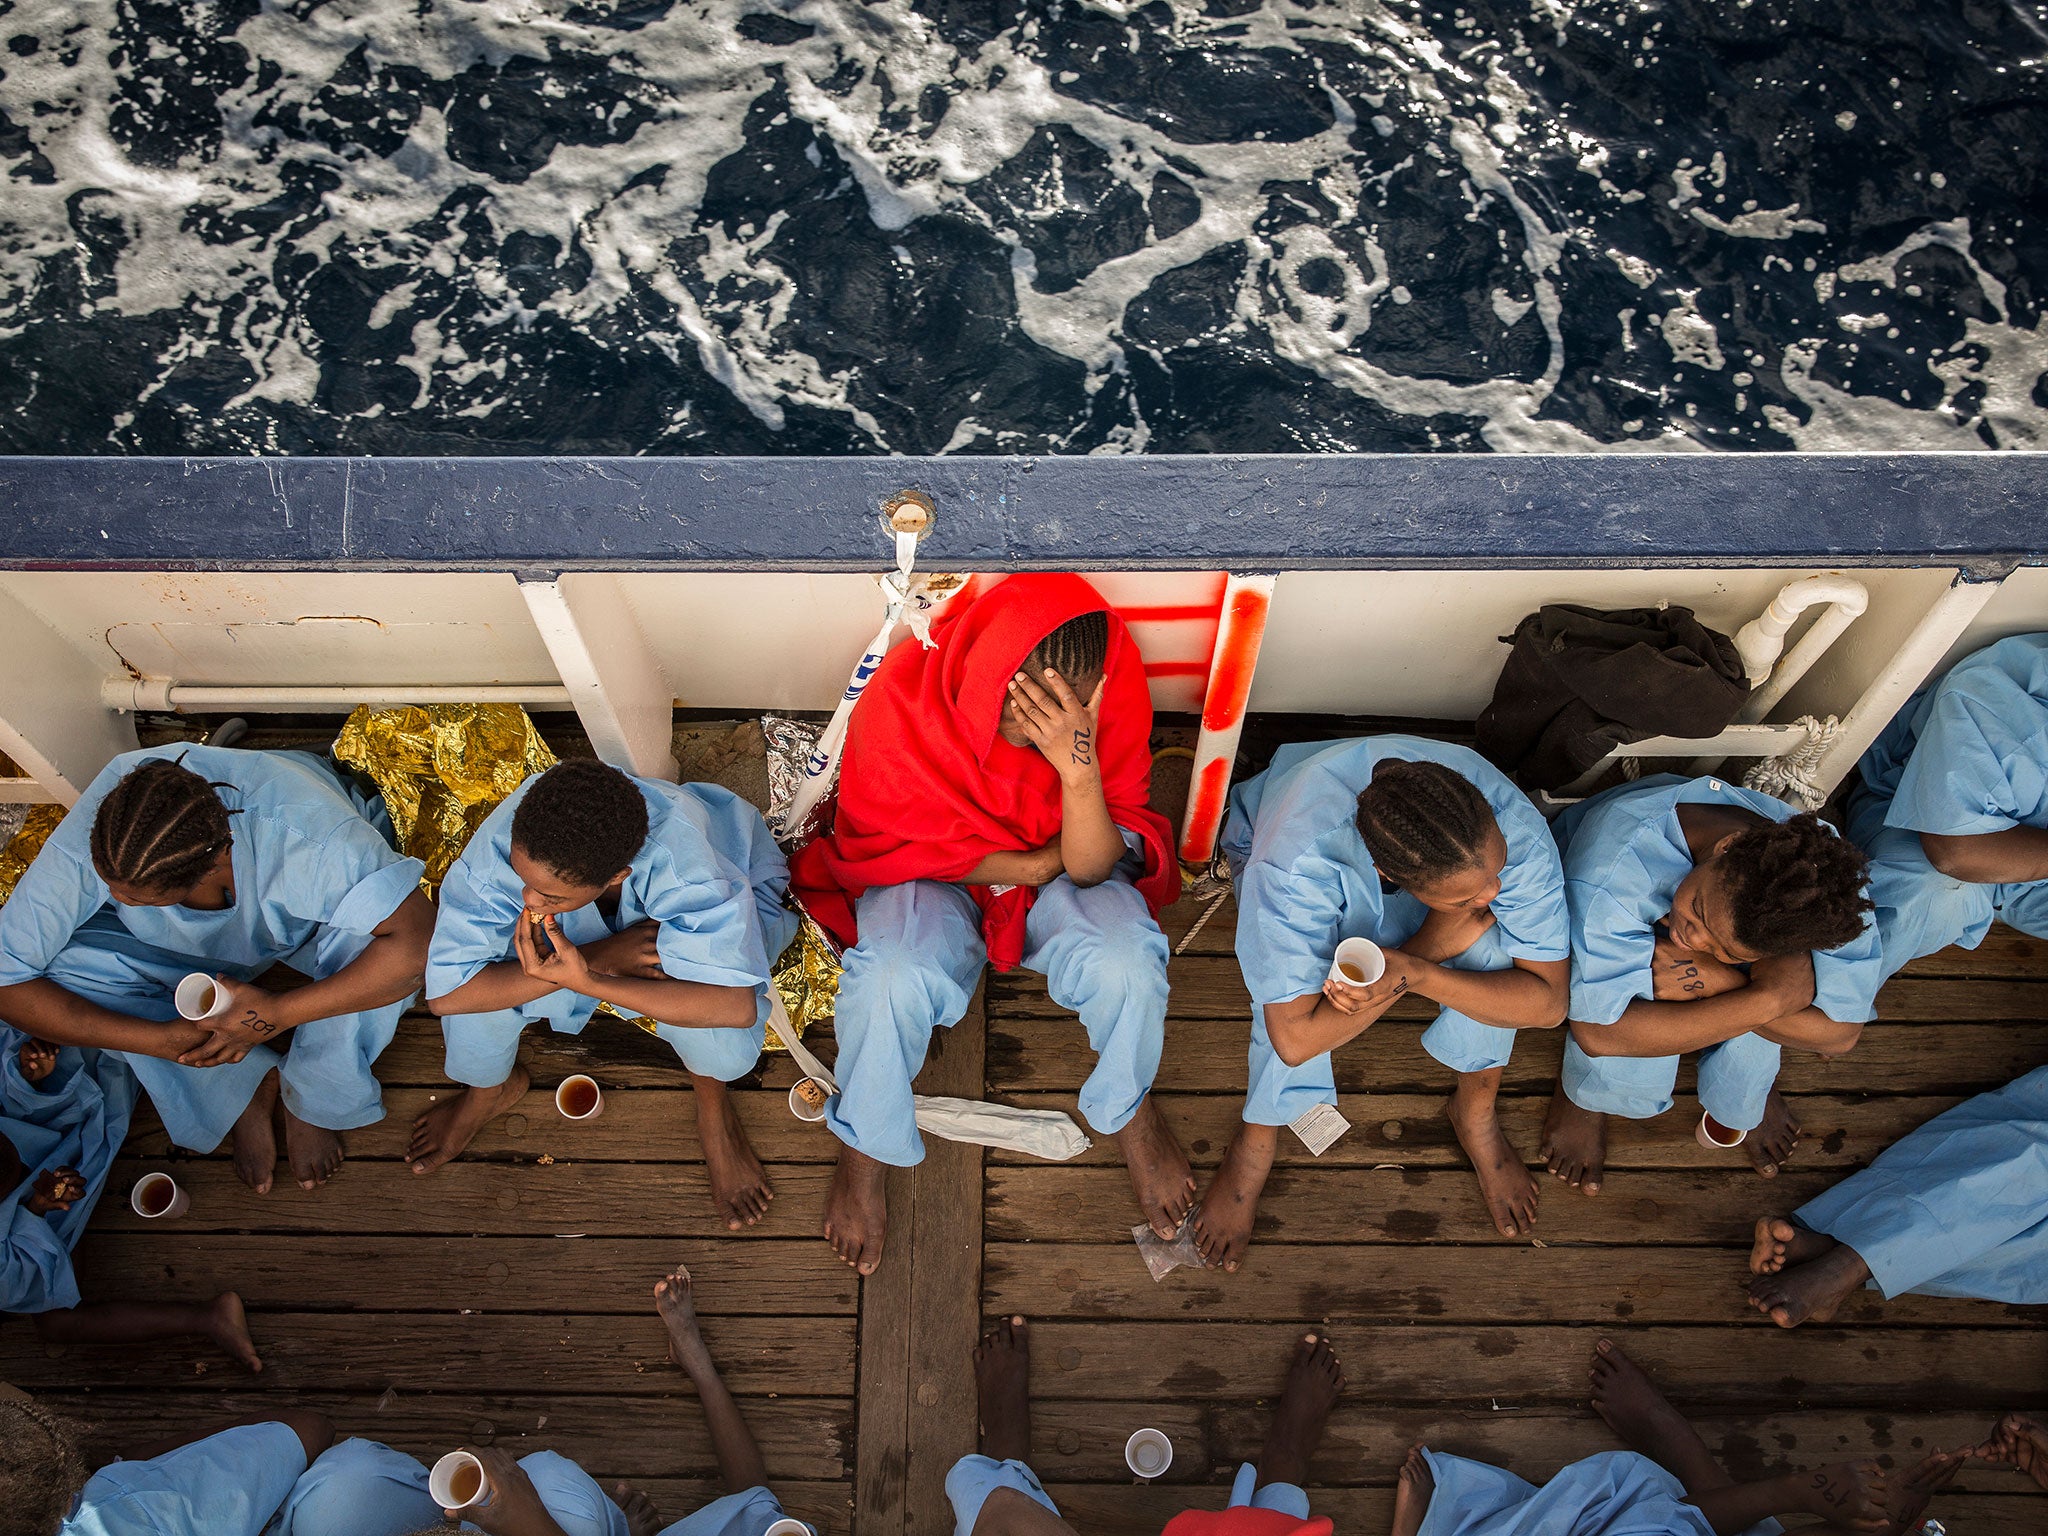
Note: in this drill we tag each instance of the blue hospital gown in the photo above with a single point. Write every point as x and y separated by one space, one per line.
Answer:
708 873
1967 755
1305 882
229 1484
1624 857
76 1118
315 874
1616 1493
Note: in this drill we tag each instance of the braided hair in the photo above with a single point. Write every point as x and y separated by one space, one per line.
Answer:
584 819
1078 648
1794 886
41 1468
159 829
1422 822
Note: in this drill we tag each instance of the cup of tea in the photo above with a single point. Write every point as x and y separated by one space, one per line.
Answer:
1148 1452
787 1526
458 1482
1359 963
579 1098
807 1099
1715 1136
199 996
157 1197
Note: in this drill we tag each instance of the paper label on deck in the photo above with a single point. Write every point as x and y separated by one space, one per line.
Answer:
1320 1128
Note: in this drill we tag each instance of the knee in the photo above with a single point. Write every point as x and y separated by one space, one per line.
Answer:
722 1054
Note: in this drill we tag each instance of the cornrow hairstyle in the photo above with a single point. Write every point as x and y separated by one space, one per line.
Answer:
584 819
159 829
1078 647
1795 886
41 1468
1422 822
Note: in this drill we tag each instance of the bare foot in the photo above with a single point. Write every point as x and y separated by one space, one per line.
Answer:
443 1131
1811 1292
1575 1143
1002 1390
1643 1419
676 1303
642 1518
1412 1494
857 1211
2019 1442
1505 1182
1230 1205
228 1326
255 1137
1771 1143
313 1151
1779 1242
739 1187
1313 1381
1158 1168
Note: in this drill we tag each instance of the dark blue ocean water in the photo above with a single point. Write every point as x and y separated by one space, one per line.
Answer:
742 226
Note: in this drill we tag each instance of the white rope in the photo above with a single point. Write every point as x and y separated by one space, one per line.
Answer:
1791 775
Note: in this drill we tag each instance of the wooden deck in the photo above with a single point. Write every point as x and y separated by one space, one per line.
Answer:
507 1298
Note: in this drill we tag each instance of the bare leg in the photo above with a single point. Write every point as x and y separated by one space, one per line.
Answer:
1002 1390
451 1125
1314 1380
1229 1208
739 1187
254 1137
739 1459
1771 1143
1505 1182
313 1151
857 1211
1158 1168
1412 1495
110 1324
1575 1143
1644 1420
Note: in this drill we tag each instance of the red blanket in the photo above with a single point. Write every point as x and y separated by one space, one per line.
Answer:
1245 1521
927 789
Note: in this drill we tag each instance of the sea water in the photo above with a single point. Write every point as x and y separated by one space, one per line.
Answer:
829 226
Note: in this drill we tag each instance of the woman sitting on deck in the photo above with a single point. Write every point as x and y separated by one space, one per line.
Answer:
180 859
1705 917
1666 1483
361 1488
1426 849
1953 805
1959 1207
63 1115
994 806
585 886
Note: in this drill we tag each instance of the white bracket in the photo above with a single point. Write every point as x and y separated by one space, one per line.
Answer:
620 692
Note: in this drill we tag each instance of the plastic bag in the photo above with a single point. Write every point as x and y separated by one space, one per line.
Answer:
1045 1133
1163 1257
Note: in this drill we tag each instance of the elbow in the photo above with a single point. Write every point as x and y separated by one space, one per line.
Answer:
1556 1010
1291 1051
1839 1040
439 1006
1956 857
1591 1038
1085 879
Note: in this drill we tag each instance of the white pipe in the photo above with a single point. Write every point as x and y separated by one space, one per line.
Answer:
159 693
1760 640
1939 628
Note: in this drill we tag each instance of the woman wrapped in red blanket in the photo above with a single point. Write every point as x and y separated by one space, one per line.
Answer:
993 806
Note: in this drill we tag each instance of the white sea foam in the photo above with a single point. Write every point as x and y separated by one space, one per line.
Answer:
1308 293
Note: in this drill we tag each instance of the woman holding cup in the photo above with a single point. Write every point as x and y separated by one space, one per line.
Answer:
1367 871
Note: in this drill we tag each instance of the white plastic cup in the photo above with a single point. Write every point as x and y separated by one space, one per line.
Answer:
441 1482
1707 1139
787 1527
1361 956
807 1099
199 996
147 1200
571 1088
1148 1453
